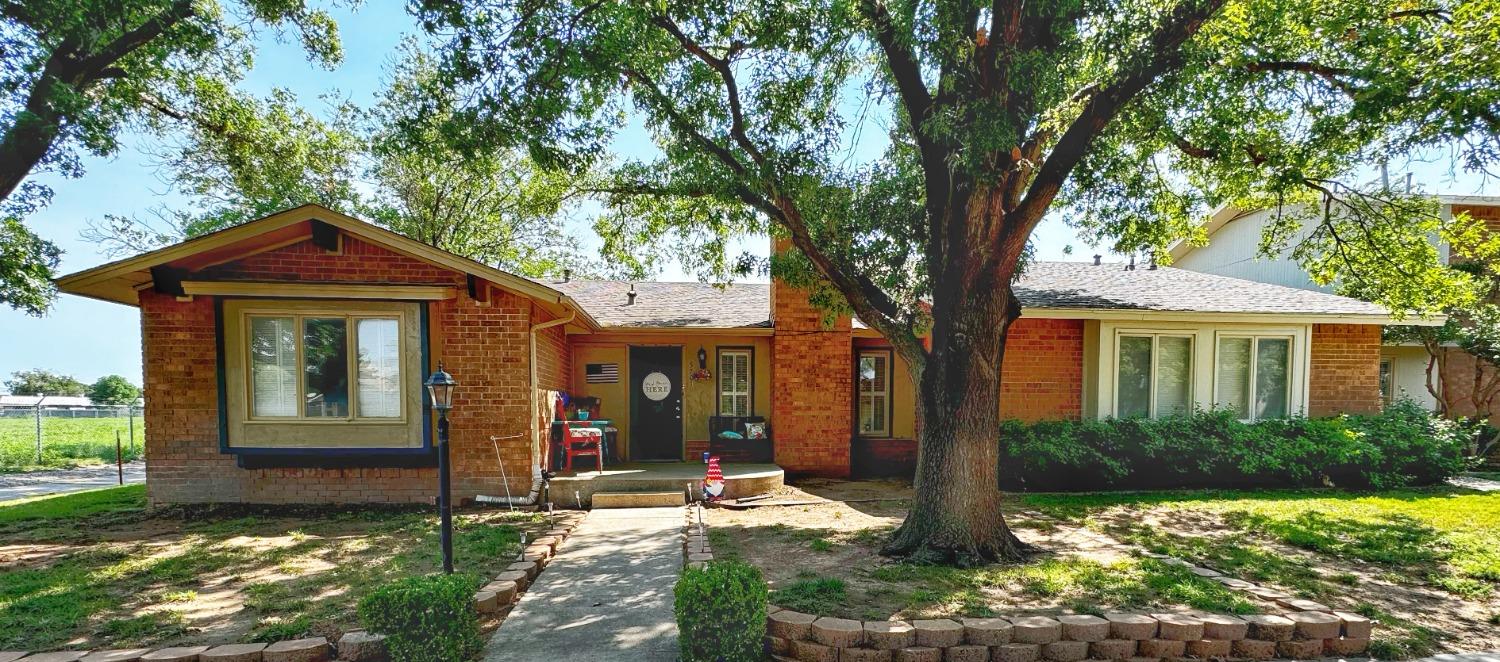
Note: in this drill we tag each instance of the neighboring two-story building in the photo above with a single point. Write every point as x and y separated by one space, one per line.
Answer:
1233 250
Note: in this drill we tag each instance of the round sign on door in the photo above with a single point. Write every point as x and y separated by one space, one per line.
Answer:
656 386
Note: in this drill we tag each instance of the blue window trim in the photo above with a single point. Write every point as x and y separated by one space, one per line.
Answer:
223 396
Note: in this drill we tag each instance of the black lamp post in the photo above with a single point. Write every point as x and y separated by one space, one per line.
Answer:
440 386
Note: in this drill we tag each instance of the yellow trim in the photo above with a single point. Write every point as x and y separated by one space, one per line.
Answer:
320 290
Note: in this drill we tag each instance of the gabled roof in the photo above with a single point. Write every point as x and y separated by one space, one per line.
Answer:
672 305
119 281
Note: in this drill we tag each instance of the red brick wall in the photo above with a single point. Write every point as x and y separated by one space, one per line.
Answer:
1041 377
483 345
1345 374
811 386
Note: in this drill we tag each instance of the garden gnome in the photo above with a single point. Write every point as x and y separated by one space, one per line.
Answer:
713 483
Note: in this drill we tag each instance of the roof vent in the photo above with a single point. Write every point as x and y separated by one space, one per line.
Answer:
1097 258
1131 266
630 296
567 275
1152 266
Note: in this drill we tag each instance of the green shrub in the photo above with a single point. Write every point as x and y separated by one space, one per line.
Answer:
425 619
1403 445
721 613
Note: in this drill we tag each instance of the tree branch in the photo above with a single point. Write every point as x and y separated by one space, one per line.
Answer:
732 89
1327 73
1164 54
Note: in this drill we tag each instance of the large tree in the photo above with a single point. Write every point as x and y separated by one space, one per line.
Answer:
1130 116
43 382
75 73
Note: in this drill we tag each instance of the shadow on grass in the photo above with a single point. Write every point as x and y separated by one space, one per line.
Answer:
290 575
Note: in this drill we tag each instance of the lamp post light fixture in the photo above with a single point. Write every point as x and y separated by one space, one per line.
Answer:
440 387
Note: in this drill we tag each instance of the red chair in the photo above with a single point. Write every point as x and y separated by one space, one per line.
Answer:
582 438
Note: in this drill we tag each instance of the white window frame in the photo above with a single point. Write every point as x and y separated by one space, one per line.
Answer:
351 331
1293 365
748 393
885 395
1155 353
1101 356
1390 393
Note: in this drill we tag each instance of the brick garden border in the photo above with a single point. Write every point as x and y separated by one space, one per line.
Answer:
354 646
1305 630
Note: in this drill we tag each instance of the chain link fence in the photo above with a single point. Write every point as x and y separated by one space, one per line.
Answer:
58 437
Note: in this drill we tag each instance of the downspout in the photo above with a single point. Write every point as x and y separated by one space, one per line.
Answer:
536 434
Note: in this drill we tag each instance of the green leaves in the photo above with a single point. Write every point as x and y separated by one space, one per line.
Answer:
26 264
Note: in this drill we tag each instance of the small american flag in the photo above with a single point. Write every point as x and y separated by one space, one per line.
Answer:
602 373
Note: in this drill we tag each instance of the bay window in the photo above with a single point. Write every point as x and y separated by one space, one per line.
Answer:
1154 376
1253 376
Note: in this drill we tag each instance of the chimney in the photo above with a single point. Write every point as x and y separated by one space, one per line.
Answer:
630 296
1097 258
567 275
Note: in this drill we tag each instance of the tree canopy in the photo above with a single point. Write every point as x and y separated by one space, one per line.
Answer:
113 390
1130 118
75 74
241 157
43 382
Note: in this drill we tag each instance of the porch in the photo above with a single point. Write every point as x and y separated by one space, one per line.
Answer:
740 480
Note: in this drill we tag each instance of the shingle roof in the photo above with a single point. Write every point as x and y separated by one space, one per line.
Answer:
1081 285
1065 285
687 305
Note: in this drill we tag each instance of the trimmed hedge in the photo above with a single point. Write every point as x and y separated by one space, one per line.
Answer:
1404 445
425 619
721 613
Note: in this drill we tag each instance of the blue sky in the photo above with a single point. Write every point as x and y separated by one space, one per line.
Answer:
89 339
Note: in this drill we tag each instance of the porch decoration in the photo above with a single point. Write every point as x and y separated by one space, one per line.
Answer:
702 374
713 482
440 387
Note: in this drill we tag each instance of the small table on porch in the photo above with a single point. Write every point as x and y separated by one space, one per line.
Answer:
556 438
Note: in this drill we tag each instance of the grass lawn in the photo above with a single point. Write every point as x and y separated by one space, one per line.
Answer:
66 442
96 570
1425 563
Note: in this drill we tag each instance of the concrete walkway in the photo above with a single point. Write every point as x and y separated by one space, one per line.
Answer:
1475 483
606 596
1492 656
56 481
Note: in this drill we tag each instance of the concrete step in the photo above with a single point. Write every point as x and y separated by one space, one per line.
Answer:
637 499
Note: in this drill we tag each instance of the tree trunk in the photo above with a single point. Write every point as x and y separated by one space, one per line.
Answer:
955 516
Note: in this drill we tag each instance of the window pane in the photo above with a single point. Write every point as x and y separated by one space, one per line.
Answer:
1134 397
379 368
1233 376
1385 380
741 372
1271 358
1174 375
325 357
273 366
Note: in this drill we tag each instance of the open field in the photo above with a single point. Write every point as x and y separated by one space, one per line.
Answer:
1426 563
96 570
66 442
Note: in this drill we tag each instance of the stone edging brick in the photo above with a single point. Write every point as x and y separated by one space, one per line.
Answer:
1067 638
696 552
354 646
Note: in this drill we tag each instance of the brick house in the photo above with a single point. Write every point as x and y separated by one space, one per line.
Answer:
284 361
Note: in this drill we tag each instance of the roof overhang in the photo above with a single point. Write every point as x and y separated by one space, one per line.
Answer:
1121 314
120 281
686 330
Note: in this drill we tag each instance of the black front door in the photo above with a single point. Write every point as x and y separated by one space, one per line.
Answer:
656 403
